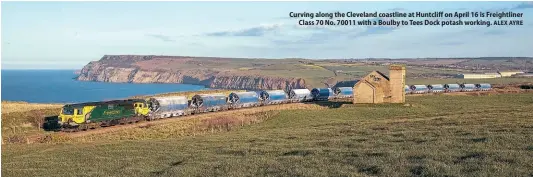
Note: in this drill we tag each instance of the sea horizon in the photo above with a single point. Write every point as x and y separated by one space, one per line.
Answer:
60 86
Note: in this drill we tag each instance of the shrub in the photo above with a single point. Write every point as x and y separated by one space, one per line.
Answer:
36 118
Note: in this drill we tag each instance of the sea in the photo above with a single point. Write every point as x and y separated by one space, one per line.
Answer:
59 86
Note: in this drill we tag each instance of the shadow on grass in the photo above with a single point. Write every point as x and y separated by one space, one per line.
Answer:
330 104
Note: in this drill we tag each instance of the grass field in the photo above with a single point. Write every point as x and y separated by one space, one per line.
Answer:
439 135
18 106
17 117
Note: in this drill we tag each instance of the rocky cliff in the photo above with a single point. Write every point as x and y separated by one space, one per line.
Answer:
164 69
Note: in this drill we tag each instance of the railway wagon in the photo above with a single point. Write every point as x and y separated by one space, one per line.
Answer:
468 87
322 93
407 89
343 92
300 95
243 99
452 87
435 88
483 87
268 97
171 106
419 89
107 113
208 103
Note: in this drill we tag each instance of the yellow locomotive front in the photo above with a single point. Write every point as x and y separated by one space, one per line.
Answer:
73 115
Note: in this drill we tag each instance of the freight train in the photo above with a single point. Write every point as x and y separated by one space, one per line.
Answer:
438 88
83 116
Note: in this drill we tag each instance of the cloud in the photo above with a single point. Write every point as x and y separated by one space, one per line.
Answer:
524 5
161 37
260 30
451 43
318 36
519 6
373 30
397 9
495 32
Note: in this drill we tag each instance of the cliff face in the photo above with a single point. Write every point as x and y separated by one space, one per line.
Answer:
125 68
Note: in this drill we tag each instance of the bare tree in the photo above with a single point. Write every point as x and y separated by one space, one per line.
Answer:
36 118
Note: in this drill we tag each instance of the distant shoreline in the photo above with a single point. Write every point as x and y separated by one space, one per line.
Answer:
59 86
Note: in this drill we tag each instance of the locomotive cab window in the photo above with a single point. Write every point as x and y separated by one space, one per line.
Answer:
79 111
68 111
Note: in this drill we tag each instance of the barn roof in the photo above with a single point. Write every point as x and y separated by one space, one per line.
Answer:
385 76
346 83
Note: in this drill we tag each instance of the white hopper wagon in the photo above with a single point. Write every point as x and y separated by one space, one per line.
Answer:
163 107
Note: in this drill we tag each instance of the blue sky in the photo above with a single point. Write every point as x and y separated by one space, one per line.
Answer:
65 35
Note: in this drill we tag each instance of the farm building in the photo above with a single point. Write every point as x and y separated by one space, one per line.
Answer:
524 75
376 87
479 76
494 74
509 73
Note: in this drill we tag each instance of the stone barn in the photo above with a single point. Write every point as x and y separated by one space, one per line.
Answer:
376 87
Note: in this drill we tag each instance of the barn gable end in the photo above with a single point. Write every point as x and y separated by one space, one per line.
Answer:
373 88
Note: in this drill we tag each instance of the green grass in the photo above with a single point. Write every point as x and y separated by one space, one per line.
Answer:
429 136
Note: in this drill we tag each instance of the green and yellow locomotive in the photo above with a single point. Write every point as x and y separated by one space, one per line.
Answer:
83 116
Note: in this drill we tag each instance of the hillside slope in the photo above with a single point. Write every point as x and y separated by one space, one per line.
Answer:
255 74
210 72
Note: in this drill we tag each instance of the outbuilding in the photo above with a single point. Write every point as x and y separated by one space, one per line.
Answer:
376 87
